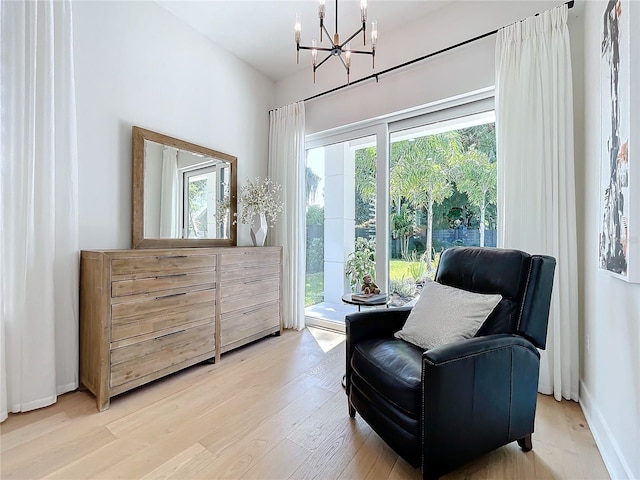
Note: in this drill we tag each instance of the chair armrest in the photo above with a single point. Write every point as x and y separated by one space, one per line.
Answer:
478 394
476 346
379 323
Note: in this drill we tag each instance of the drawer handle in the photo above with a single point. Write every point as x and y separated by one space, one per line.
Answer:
169 334
164 257
172 295
172 275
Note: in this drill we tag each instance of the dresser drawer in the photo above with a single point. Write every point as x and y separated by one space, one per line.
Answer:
232 276
248 302
249 287
146 314
235 327
160 265
258 258
161 282
144 358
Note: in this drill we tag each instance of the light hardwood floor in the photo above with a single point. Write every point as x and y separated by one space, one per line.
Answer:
272 410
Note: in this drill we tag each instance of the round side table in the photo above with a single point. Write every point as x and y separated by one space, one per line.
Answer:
376 300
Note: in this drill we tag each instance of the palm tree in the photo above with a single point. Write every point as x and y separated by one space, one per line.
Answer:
365 173
421 175
476 176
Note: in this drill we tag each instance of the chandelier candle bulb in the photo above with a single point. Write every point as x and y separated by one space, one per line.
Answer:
363 19
374 34
347 57
314 58
298 29
374 42
321 15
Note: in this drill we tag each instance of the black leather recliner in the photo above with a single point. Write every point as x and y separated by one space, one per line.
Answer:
445 406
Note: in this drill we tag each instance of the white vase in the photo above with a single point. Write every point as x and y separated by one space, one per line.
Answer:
259 229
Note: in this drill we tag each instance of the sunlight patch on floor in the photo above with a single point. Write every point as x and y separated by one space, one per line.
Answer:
326 339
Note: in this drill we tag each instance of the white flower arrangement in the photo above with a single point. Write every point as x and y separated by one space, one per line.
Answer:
260 197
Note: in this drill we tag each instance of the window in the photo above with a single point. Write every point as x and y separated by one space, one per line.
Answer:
442 190
435 175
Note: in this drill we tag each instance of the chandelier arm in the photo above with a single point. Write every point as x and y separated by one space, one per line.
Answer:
326 58
351 37
328 35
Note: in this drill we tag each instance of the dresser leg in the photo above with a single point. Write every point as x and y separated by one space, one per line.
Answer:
103 403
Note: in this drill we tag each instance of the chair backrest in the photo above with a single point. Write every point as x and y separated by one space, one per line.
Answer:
524 281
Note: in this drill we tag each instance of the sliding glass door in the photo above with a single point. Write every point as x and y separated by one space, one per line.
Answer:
388 199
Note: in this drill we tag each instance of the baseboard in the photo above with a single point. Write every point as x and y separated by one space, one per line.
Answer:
609 449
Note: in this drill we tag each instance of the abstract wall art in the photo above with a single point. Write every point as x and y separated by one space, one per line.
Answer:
618 246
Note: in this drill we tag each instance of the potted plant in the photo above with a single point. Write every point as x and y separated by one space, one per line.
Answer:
361 262
260 205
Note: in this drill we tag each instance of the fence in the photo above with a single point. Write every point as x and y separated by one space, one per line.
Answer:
441 239
469 237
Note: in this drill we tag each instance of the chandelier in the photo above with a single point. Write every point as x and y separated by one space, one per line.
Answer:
337 49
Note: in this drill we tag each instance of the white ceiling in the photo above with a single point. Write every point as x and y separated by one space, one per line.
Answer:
261 33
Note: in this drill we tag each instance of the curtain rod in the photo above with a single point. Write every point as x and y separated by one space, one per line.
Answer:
569 4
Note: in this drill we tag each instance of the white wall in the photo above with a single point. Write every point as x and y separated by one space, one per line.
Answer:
610 387
453 73
137 64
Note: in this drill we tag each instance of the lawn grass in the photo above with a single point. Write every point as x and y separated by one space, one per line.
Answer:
313 288
399 269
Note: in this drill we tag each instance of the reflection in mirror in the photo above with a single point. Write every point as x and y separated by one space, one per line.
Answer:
188 192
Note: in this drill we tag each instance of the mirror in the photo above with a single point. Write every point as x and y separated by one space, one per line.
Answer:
184 195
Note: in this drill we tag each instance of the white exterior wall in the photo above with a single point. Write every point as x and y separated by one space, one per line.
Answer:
339 218
137 64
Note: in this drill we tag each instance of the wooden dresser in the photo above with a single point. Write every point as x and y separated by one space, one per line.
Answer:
147 313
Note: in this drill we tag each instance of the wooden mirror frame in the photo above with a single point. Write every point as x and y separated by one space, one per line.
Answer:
138 240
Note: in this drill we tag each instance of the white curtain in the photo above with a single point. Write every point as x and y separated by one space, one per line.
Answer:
536 188
169 194
39 219
287 167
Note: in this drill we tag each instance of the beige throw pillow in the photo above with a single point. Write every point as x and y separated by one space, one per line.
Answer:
446 314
